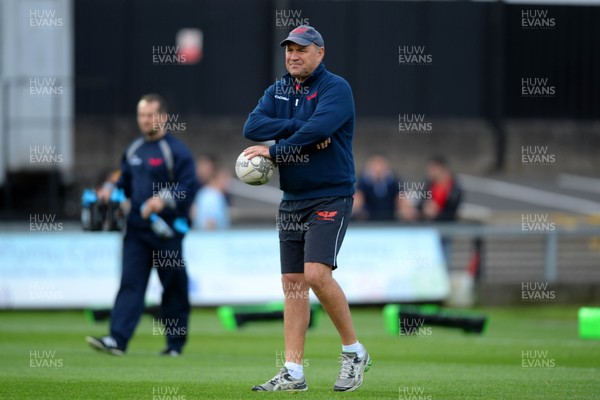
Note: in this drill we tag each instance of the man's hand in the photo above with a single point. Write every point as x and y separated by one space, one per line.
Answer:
258 150
152 205
430 210
105 191
103 194
324 145
407 211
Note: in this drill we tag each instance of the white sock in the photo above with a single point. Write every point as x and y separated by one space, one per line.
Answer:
357 348
295 370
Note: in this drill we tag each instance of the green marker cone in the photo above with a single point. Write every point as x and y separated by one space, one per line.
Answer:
589 323
89 315
226 315
316 311
390 318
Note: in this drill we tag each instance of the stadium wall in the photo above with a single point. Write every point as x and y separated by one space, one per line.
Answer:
479 52
468 143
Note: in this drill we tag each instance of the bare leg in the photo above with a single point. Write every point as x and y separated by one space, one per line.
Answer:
296 316
320 279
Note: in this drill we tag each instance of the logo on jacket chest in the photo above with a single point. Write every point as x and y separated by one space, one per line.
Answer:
155 162
135 161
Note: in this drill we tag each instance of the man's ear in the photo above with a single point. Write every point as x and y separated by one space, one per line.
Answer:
321 53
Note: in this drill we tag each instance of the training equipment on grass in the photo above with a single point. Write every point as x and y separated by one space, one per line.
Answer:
257 171
412 320
589 322
234 317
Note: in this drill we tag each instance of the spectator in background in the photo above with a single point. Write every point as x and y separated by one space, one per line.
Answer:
376 197
211 208
206 167
445 193
444 199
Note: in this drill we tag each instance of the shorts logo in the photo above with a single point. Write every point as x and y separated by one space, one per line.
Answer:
311 96
155 162
326 215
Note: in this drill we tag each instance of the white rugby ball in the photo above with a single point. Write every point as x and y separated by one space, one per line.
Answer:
257 171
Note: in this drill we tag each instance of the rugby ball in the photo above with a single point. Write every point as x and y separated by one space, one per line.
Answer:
257 171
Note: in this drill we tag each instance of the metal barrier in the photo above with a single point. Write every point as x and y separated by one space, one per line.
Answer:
485 232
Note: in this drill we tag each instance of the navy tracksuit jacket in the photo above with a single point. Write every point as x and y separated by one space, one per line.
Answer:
143 175
300 116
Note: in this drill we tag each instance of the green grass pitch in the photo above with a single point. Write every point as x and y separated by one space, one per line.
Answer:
43 356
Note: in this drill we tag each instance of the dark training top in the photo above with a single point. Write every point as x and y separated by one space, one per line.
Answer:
380 196
300 116
145 173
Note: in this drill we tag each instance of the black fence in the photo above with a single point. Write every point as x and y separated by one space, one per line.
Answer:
476 59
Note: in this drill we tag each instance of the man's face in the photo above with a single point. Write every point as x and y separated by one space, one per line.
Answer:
435 172
378 167
301 61
205 169
148 118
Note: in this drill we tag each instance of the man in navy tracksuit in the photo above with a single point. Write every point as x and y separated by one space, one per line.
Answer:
310 115
158 176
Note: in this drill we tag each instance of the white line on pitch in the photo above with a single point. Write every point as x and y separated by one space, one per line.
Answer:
581 183
529 195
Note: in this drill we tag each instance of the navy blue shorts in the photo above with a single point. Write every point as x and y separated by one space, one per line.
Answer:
312 231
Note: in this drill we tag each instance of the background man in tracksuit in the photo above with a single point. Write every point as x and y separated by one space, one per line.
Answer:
158 176
310 114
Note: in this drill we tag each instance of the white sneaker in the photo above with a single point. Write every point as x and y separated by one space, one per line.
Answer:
352 371
282 381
